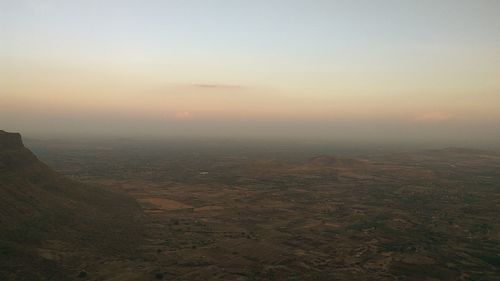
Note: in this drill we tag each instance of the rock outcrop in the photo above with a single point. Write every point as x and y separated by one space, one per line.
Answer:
10 141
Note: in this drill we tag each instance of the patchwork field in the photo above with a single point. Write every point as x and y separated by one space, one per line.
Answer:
224 214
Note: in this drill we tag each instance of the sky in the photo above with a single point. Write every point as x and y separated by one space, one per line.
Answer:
373 69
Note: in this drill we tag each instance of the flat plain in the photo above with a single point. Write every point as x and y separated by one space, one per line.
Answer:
249 211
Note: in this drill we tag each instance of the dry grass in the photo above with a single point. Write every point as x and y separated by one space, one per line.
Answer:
165 204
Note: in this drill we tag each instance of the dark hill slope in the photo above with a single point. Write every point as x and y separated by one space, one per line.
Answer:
39 205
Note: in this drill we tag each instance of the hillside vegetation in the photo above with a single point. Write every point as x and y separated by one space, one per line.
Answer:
40 207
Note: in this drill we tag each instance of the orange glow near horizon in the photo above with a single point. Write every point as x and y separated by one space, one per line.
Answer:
133 62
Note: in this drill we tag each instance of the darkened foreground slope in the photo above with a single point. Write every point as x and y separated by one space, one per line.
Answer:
40 207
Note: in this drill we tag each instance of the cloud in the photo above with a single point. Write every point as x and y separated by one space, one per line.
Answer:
433 117
218 86
183 115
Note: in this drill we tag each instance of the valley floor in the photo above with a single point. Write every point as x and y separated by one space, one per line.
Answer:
428 215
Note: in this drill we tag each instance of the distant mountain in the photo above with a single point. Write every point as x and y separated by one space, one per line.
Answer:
340 163
450 151
38 205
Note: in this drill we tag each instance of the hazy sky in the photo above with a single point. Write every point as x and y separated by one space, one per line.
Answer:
422 68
